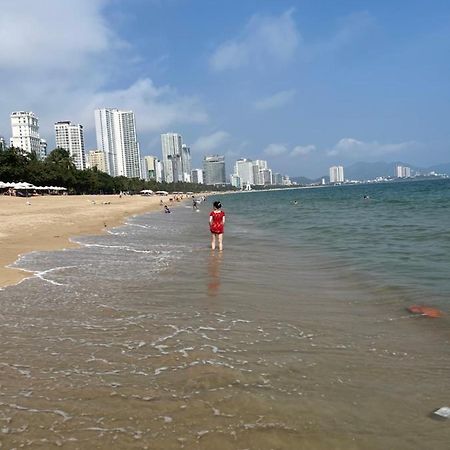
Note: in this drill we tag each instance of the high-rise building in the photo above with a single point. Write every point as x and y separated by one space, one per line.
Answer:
336 174
116 137
69 136
214 170
176 158
150 168
277 179
97 158
197 176
25 132
402 171
186 163
235 181
265 177
42 149
2 143
244 169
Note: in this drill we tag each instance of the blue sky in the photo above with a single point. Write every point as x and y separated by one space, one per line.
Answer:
304 84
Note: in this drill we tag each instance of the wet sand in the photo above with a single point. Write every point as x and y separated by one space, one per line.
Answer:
47 223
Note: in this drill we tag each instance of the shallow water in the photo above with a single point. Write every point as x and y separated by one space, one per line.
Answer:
144 338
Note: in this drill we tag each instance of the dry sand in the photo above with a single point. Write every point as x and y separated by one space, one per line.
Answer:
47 223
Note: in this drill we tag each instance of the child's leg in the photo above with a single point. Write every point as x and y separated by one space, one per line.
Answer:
213 241
220 236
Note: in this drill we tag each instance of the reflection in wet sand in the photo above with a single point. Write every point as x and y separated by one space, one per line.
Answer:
214 264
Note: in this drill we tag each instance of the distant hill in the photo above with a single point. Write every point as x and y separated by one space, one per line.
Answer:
440 168
370 170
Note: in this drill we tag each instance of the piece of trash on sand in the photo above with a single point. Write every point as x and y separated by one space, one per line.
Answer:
443 412
426 311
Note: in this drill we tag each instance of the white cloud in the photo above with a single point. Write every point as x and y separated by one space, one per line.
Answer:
275 101
275 150
281 149
210 142
63 70
350 30
265 39
302 150
353 148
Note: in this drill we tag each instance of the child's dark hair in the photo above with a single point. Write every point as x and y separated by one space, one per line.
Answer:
217 205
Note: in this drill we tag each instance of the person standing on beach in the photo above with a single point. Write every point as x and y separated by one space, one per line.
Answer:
216 225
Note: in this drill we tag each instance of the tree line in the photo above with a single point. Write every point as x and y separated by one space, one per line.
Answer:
58 169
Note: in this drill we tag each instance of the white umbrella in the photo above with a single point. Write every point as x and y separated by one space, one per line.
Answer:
23 185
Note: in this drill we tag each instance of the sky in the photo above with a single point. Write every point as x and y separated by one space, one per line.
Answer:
303 84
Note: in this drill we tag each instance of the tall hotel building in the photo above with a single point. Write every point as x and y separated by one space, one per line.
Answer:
402 171
176 158
116 138
69 136
25 132
336 174
214 170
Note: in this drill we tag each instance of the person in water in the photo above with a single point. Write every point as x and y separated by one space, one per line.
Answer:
166 209
216 225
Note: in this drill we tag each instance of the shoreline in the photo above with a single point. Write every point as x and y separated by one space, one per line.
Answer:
47 223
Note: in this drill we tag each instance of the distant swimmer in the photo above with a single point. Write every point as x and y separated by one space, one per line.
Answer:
366 197
166 209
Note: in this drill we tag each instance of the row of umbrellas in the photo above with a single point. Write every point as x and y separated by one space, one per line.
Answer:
28 186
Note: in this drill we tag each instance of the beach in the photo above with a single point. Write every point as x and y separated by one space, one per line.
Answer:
297 335
47 223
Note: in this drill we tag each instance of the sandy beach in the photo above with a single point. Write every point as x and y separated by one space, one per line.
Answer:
47 223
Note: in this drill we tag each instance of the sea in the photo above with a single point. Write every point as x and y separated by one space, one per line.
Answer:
296 336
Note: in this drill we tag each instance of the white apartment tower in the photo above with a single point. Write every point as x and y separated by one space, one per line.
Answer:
116 137
25 132
402 171
186 162
69 136
244 169
336 174
176 158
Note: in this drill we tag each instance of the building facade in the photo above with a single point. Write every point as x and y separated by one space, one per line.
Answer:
402 171
245 170
69 136
152 168
197 176
336 174
116 137
176 158
214 170
97 158
25 132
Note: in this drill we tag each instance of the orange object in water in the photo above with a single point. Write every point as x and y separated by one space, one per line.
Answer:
426 311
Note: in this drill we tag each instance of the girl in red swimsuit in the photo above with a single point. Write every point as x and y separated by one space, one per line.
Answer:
216 224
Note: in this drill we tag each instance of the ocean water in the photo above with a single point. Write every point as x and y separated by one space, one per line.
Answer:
295 336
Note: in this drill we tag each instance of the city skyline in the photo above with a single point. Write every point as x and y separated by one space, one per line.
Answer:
306 85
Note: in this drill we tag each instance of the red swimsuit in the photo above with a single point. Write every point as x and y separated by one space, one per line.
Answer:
216 225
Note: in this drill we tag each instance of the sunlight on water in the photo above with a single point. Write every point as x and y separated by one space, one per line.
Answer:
290 338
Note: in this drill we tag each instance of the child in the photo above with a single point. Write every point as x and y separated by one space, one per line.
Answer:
216 224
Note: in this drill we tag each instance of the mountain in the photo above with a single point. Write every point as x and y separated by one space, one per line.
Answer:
369 171
440 168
